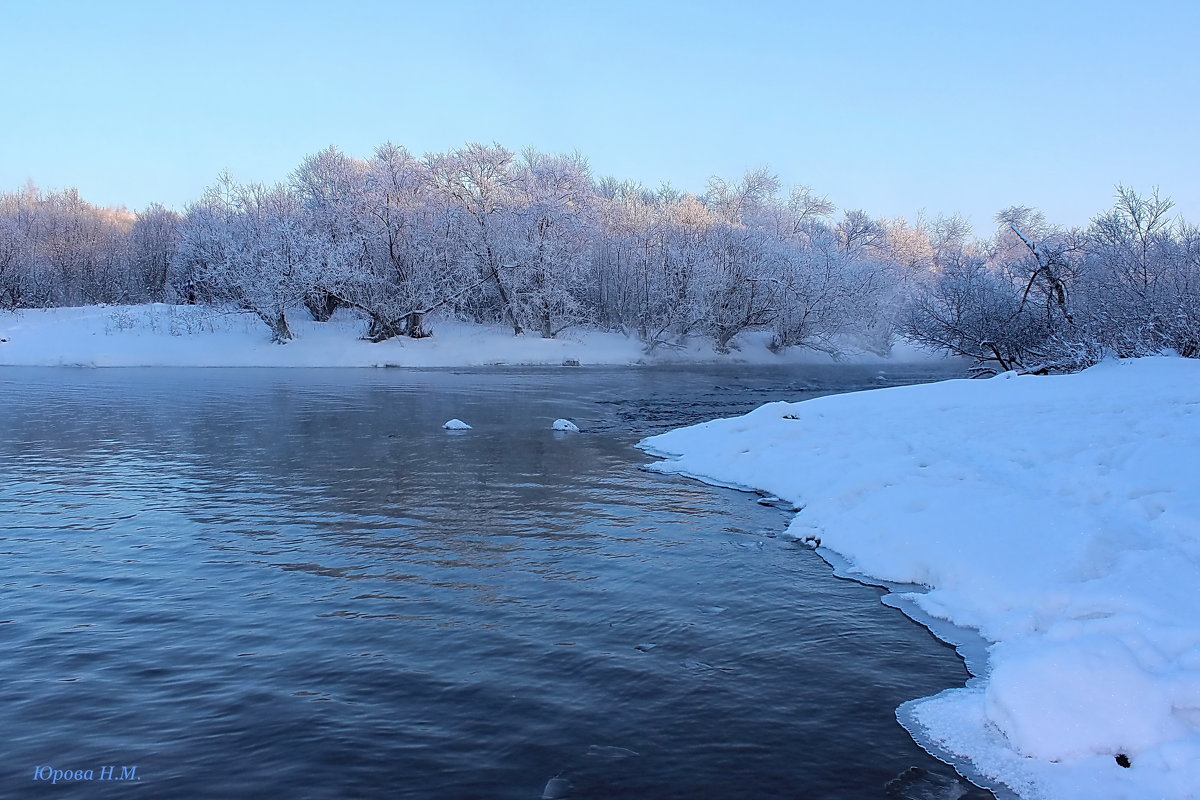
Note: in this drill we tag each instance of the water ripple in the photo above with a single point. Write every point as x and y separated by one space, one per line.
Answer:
293 583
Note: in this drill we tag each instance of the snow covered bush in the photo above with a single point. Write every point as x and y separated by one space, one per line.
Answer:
120 319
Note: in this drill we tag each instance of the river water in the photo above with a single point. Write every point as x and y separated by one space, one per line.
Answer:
294 583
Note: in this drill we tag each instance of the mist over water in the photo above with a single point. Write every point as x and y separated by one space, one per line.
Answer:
294 583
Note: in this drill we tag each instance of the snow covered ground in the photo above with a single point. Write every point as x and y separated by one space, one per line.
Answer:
1058 516
192 336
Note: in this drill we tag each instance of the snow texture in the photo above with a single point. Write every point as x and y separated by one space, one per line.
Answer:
1057 516
196 336
565 425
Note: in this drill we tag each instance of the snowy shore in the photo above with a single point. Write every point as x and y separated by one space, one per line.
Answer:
1057 516
194 336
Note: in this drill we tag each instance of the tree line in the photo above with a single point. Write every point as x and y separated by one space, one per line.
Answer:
535 242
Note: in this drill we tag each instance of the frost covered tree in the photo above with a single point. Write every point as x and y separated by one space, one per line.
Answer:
478 186
951 240
679 259
907 246
827 293
85 249
1143 281
249 246
415 258
739 291
746 202
58 249
971 310
858 234
808 210
332 189
1012 309
535 242
627 239
373 221
154 238
18 235
552 229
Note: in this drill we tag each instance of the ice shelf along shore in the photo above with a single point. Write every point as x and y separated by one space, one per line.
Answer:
1058 516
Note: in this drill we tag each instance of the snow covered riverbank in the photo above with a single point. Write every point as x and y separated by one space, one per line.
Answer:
194 336
1058 516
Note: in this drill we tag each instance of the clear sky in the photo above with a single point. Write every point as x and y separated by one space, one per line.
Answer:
892 107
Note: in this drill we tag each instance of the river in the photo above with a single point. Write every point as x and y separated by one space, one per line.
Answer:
294 583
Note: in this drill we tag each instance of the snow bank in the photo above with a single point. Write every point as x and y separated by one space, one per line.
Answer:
193 336
1058 516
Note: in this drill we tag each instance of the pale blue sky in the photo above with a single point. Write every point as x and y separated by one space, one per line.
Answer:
893 107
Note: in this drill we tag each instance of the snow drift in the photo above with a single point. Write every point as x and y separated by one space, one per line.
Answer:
160 335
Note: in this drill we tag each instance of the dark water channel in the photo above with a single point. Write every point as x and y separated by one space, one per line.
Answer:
294 583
